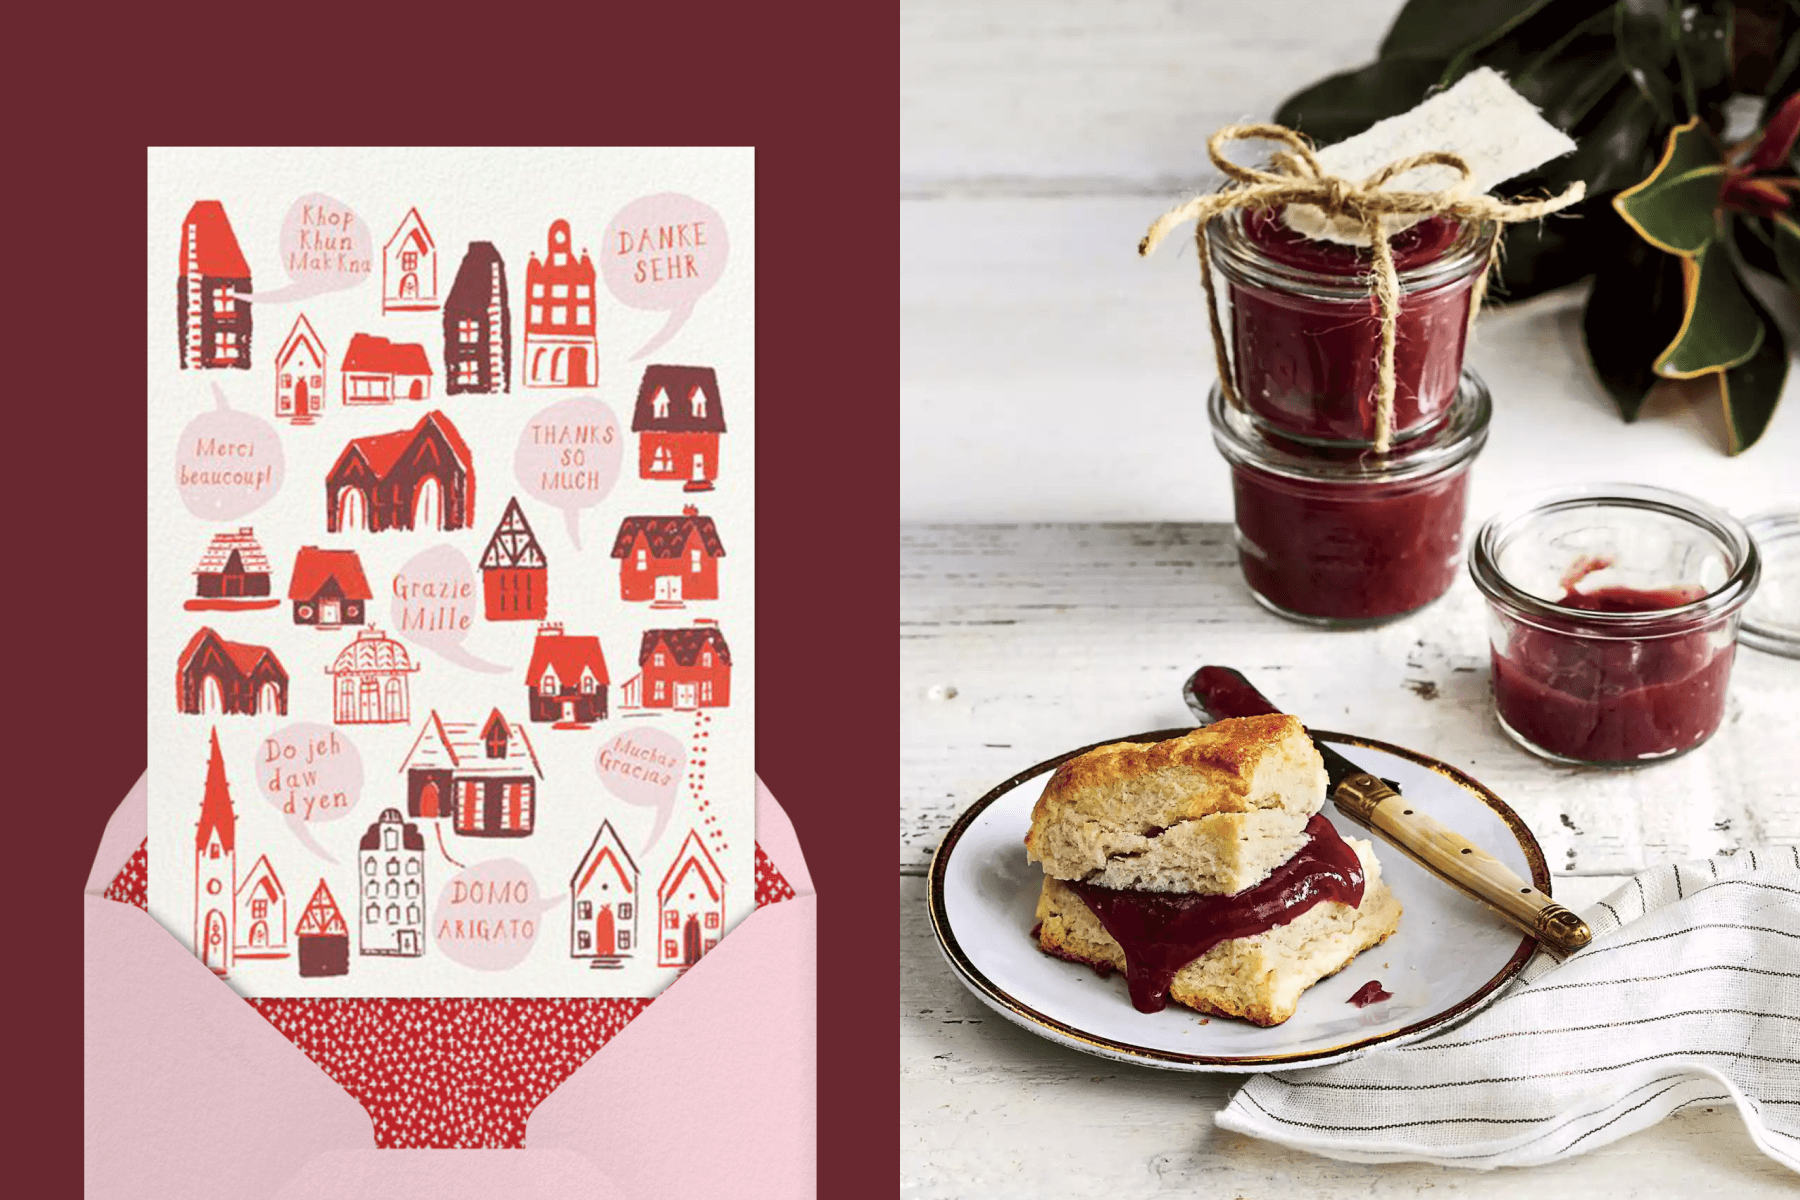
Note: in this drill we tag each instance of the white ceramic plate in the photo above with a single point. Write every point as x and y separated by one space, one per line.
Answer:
1449 957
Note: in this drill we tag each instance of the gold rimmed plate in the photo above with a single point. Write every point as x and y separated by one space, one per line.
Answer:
1449 958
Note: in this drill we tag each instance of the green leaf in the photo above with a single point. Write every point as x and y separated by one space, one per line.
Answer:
1636 305
1787 251
1443 28
1749 391
1673 207
1614 151
1722 328
1342 105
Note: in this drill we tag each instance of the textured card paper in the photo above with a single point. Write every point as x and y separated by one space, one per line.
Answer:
451 654
1498 132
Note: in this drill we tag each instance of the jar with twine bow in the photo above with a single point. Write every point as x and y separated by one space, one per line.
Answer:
1372 210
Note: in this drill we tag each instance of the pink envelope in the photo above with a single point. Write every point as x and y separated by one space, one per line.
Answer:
191 1092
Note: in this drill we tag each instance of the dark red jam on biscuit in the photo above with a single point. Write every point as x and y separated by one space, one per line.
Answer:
1162 932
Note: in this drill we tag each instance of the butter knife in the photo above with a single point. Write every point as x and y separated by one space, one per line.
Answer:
1213 693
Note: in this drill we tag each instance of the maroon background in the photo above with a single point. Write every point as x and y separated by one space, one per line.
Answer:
820 103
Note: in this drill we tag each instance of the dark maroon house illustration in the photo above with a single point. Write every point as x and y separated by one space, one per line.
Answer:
213 323
323 937
478 325
484 773
681 668
514 574
678 422
418 478
233 574
217 676
328 588
668 560
567 678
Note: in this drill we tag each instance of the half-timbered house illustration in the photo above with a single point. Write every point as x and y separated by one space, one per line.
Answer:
300 374
322 936
212 319
478 325
371 681
417 478
603 896
690 905
668 560
215 867
409 267
514 574
482 773
390 868
560 347
261 914
216 676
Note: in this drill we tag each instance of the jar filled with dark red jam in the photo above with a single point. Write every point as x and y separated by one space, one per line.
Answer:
1346 537
1305 330
1614 616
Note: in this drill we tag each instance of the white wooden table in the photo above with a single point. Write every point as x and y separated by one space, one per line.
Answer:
1019 642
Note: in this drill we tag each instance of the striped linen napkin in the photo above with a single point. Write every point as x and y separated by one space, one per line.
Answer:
1688 994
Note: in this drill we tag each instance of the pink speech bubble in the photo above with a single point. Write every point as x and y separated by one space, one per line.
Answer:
325 247
228 463
487 916
435 598
663 253
312 774
644 767
569 456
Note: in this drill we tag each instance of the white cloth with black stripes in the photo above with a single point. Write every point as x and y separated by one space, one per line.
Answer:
1689 994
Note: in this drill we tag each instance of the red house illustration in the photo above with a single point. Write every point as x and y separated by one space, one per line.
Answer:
678 422
261 914
215 867
604 901
300 374
485 772
409 268
560 347
478 325
323 937
377 371
418 478
567 678
691 906
668 560
514 574
370 681
390 862
217 676
681 668
213 323
233 574
328 588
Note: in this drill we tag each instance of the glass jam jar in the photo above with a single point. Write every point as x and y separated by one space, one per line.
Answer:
1614 614
1305 331
1347 537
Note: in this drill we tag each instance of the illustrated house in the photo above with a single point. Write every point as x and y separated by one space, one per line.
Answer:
560 347
261 916
323 937
567 678
369 681
214 325
681 668
690 906
483 772
514 575
667 560
418 478
327 588
409 267
300 374
678 422
233 573
478 325
390 862
377 371
215 867
217 676
604 897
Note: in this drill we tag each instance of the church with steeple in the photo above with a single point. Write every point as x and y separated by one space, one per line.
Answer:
215 868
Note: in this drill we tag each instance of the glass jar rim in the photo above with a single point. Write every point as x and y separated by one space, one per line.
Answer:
1244 261
1244 443
1762 629
1728 597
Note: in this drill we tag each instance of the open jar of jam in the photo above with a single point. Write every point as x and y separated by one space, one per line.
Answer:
1305 330
1348 537
1614 616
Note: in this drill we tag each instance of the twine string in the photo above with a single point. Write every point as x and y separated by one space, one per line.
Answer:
1295 176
